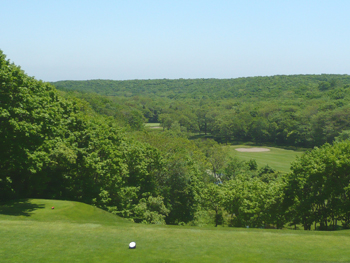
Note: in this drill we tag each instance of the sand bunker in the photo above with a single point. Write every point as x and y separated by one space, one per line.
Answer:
252 150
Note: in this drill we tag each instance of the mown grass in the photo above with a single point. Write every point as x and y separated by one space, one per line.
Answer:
279 159
73 232
153 125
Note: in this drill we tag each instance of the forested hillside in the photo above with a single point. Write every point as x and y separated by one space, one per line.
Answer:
179 89
92 148
52 147
297 110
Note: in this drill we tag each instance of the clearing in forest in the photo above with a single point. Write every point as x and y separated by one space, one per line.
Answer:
278 159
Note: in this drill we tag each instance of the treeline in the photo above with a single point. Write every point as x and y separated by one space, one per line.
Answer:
74 146
217 89
299 110
316 194
53 147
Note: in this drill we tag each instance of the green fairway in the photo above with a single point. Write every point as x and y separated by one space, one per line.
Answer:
73 232
153 125
277 158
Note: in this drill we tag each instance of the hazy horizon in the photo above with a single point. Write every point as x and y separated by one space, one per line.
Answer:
195 78
127 40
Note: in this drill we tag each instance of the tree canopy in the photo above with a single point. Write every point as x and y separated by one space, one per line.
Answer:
93 147
297 110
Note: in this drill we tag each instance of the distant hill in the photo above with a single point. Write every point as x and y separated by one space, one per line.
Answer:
197 88
295 110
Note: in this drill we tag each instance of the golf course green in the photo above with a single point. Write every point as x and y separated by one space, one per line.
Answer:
39 230
277 158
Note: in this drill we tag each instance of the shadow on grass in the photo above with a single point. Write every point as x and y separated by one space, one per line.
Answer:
19 208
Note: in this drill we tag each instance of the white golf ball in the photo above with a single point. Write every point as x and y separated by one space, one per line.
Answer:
132 245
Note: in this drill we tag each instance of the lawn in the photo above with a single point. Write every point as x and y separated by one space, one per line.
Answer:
31 231
279 159
153 125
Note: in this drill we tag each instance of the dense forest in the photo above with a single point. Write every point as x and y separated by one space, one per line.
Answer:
298 110
72 144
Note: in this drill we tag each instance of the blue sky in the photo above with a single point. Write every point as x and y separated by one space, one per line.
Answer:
77 40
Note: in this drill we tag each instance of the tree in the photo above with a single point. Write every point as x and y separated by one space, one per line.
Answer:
316 188
34 123
135 119
165 120
212 199
151 210
344 135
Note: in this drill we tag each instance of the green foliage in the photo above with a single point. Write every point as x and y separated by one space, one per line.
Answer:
344 135
56 147
215 154
203 89
254 202
124 115
183 177
253 166
298 110
212 199
94 148
33 129
318 188
151 210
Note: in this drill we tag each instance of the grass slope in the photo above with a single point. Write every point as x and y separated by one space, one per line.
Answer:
279 159
73 232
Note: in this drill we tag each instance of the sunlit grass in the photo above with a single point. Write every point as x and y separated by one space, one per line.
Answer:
153 125
75 232
279 159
